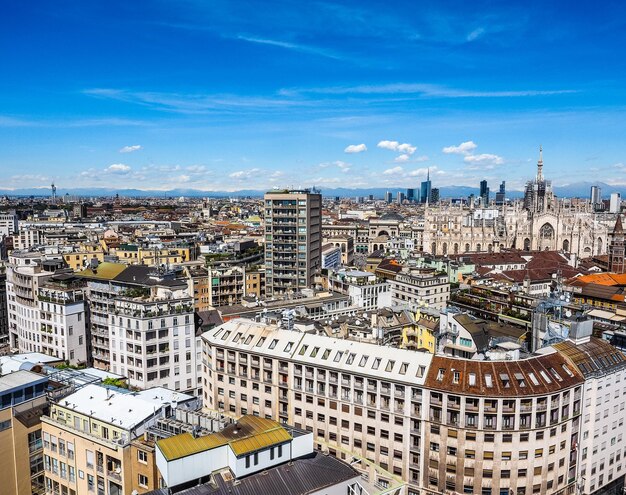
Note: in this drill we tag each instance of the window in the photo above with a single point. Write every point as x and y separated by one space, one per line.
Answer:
142 456
143 481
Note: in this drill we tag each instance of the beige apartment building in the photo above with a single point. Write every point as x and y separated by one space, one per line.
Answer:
442 424
293 240
22 402
93 440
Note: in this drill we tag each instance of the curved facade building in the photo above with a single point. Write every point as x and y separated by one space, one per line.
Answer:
442 424
498 427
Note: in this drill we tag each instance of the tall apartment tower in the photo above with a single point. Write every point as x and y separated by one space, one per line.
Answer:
293 233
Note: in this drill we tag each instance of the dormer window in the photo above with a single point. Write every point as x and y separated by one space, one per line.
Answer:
440 374
471 379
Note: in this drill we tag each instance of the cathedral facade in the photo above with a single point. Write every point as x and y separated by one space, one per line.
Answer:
540 221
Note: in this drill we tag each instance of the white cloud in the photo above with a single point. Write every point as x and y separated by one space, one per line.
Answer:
244 174
462 149
389 145
118 168
355 148
404 148
130 149
181 178
434 170
402 158
619 165
393 171
484 160
343 166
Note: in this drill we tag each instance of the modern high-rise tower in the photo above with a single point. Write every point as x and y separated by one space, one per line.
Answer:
501 194
292 239
425 189
484 192
595 196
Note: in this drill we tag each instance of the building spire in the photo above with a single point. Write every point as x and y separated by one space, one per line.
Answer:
618 229
540 165
428 173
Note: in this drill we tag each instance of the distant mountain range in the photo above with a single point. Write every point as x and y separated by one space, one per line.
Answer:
578 190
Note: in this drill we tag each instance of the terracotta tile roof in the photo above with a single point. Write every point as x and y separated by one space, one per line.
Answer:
594 357
533 376
602 279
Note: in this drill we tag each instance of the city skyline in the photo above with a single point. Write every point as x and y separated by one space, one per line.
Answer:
210 96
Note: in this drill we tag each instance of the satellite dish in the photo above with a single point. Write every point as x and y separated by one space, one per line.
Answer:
568 313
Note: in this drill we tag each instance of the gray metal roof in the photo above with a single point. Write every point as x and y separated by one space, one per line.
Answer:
299 477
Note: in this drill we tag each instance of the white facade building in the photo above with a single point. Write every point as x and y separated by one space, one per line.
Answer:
152 341
420 286
615 204
8 224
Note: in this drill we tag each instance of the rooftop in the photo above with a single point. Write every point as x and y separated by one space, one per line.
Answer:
119 407
248 434
595 356
299 477
25 361
19 379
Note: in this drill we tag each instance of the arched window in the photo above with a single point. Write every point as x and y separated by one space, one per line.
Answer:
456 248
546 232
566 246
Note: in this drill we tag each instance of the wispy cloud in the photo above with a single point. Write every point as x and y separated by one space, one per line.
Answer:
314 50
484 160
130 149
244 174
475 34
423 90
118 168
393 171
195 103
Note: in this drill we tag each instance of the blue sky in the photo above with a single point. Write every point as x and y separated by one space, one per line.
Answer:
223 95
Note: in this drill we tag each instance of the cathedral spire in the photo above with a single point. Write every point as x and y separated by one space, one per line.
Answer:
618 229
540 165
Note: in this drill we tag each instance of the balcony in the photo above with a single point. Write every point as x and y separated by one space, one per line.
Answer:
114 475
